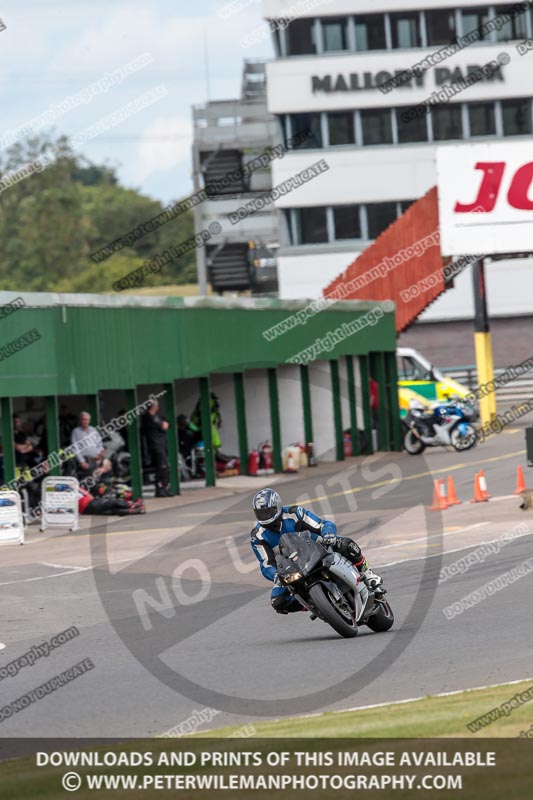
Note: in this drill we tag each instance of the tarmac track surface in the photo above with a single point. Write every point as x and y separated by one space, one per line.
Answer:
231 642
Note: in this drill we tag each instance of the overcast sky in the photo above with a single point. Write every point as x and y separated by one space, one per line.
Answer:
52 49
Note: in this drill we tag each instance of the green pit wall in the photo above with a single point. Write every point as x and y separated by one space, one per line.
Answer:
91 343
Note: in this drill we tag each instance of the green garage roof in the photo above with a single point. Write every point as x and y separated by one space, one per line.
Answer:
78 344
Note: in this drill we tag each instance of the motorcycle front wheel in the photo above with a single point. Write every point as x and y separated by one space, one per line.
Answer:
463 441
413 444
325 604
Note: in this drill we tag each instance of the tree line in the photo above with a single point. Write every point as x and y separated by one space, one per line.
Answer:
54 218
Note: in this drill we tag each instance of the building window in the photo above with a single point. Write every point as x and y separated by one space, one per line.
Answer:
376 125
515 28
313 225
300 37
334 34
346 221
440 26
379 216
286 216
516 116
405 27
310 225
370 32
341 128
482 119
473 19
447 122
414 130
303 123
277 39
283 121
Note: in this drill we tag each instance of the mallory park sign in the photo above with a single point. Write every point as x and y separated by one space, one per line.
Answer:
360 81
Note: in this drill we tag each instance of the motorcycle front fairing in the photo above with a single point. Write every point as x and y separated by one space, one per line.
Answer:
300 553
299 557
304 552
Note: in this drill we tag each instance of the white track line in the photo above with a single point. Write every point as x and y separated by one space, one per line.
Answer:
2 646
223 538
428 696
427 538
397 702
59 566
45 577
377 547
72 571
448 552
203 544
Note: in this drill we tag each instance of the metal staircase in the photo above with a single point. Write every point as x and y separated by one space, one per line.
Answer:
217 169
228 267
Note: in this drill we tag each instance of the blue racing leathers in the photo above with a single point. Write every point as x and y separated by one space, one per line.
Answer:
265 544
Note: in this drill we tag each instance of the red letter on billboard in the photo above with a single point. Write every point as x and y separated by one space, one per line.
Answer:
488 191
519 188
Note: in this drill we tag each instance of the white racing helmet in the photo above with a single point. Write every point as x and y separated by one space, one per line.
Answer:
267 506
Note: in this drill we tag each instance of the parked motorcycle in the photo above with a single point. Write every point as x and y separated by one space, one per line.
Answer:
446 424
115 451
329 586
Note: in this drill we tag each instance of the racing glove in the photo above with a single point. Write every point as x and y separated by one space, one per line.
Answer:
329 533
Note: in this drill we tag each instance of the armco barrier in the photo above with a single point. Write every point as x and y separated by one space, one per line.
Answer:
11 520
515 390
59 503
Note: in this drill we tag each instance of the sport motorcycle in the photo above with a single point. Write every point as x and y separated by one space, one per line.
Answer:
446 424
330 586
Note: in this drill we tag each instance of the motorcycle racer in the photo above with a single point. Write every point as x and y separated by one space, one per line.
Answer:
274 519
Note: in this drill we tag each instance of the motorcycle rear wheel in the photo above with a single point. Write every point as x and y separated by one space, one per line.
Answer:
383 619
338 622
413 444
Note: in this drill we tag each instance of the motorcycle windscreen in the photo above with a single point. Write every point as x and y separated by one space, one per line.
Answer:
303 551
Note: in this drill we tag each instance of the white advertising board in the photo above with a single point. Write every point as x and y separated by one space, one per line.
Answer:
59 503
11 520
485 198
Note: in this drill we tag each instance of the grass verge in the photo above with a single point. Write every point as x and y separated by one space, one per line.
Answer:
430 717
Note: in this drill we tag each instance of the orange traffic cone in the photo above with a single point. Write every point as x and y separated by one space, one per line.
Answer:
520 482
439 501
483 485
452 497
478 494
